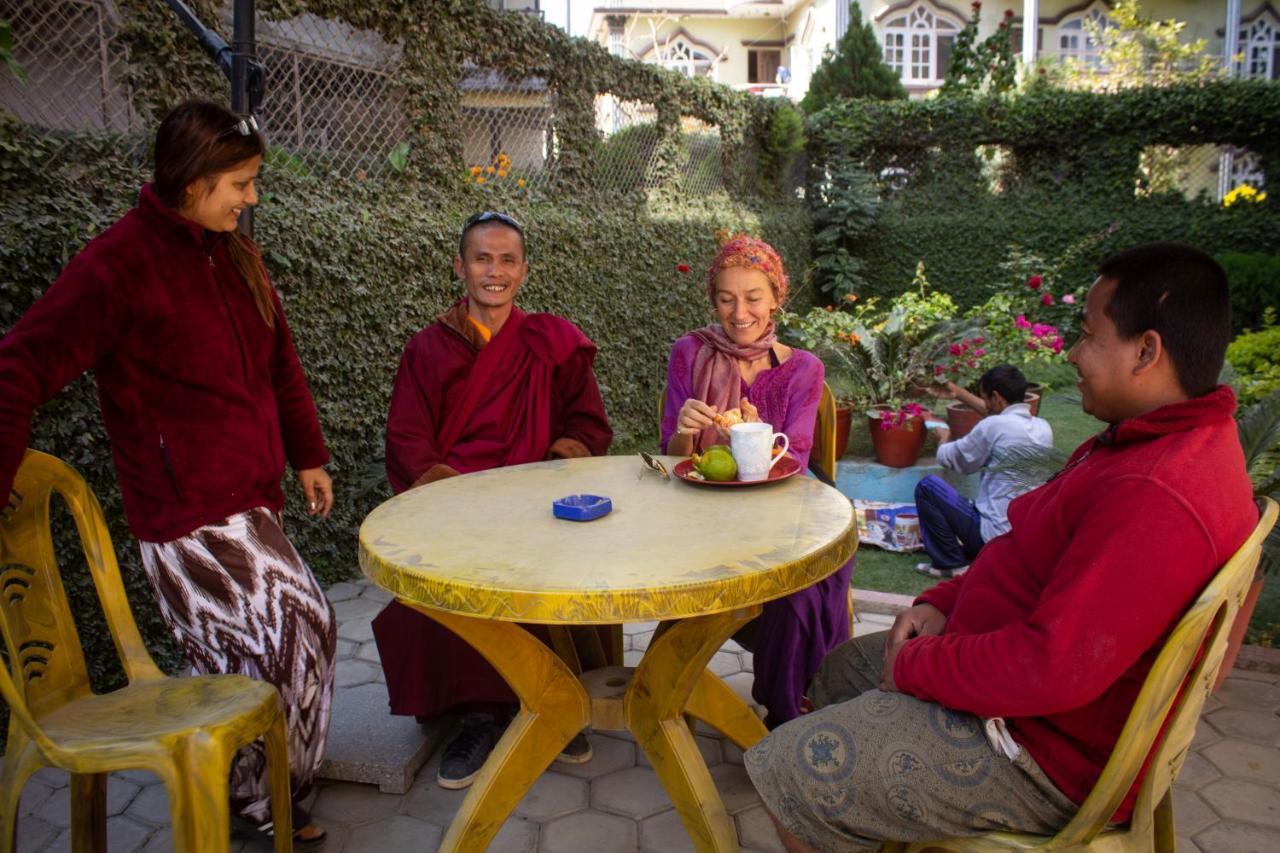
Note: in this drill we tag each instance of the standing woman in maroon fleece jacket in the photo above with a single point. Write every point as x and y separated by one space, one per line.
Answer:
204 399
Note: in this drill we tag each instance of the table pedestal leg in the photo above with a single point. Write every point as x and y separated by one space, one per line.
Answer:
672 674
553 708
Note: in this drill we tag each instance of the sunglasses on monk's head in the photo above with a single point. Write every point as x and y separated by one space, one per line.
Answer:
655 465
482 218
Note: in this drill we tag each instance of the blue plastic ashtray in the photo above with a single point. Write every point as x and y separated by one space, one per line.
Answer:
581 507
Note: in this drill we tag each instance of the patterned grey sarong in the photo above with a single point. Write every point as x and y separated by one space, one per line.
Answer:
240 600
868 766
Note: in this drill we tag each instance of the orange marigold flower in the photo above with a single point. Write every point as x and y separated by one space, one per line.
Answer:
502 173
490 169
480 180
851 297
520 183
475 170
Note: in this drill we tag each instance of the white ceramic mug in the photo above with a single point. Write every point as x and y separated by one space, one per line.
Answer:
752 447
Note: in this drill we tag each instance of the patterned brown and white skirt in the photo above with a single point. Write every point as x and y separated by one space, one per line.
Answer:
240 600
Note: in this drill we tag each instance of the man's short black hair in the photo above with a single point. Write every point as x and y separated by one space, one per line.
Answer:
1005 380
489 217
1180 293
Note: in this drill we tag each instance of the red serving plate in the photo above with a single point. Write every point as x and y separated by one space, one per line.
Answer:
786 467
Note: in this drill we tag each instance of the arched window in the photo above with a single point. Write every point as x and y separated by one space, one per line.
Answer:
1260 49
680 55
917 44
1074 41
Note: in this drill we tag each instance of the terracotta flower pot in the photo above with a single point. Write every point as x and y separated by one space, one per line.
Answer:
961 420
844 416
899 446
1034 392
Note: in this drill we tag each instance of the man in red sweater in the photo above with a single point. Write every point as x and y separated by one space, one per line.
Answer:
996 700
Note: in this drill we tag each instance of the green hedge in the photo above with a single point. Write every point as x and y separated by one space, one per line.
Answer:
1071 168
361 267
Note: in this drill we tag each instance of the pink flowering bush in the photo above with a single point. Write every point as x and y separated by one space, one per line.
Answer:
901 416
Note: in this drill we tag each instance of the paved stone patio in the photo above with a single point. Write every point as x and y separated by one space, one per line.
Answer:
1227 797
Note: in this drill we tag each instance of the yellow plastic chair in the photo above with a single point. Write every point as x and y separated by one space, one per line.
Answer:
1204 626
823 452
185 730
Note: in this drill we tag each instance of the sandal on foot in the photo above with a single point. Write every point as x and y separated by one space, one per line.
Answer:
265 831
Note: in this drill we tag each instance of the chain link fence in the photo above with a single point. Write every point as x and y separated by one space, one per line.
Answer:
332 102
75 68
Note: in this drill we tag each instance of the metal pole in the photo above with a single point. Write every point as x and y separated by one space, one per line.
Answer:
243 62
1230 47
1030 34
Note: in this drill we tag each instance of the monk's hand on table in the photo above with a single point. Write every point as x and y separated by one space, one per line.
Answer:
922 620
695 416
317 491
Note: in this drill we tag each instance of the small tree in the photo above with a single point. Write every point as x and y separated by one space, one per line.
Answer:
981 67
1139 51
855 70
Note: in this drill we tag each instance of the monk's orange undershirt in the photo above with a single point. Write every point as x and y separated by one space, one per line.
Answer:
481 328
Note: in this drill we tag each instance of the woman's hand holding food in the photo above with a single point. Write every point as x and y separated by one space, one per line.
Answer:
695 416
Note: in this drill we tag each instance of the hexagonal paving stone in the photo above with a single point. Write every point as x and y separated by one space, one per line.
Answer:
150 806
608 754
341 592
55 809
429 801
516 836
352 804
399 832
756 830
34 833
120 792
732 755
1205 734
346 649
1253 695
1242 760
632 658
708 745
725 663
1229 837
1246 723
598 833
641 641
664 833
1183 844
369 652
1197 771
553 795
1191 814
352 672
355 608
51 777
34 795
372 592
1244 801
635 793
123 835
357 630
735 787
741 684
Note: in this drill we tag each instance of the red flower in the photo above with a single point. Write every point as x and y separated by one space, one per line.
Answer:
1035 281
939 370
684 268
977 342
976 5
955 349
1046 299
1008 13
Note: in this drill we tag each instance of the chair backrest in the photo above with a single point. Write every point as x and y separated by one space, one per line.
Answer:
1169 704
46 664
823 453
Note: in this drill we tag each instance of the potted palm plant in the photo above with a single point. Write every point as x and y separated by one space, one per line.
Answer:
875 357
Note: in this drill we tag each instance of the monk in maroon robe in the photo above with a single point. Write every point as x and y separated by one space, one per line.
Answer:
486 385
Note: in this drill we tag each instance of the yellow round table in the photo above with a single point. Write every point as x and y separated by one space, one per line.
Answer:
482 552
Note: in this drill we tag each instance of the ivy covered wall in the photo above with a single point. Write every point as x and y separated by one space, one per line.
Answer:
1063 165
362 265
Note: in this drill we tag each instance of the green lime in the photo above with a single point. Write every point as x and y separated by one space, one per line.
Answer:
716 464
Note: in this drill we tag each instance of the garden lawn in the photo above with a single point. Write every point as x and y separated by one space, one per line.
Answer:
888 572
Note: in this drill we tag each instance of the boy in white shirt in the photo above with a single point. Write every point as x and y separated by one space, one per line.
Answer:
953 527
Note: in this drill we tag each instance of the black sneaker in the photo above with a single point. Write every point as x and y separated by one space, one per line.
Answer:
577 751
465 754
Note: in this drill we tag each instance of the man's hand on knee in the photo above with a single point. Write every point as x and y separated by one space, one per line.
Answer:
923 620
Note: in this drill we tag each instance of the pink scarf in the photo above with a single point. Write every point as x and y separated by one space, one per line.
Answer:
716 379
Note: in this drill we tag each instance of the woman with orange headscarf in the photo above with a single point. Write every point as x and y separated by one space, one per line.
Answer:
737 363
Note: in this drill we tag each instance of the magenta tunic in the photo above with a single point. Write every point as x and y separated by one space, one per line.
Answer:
794 633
